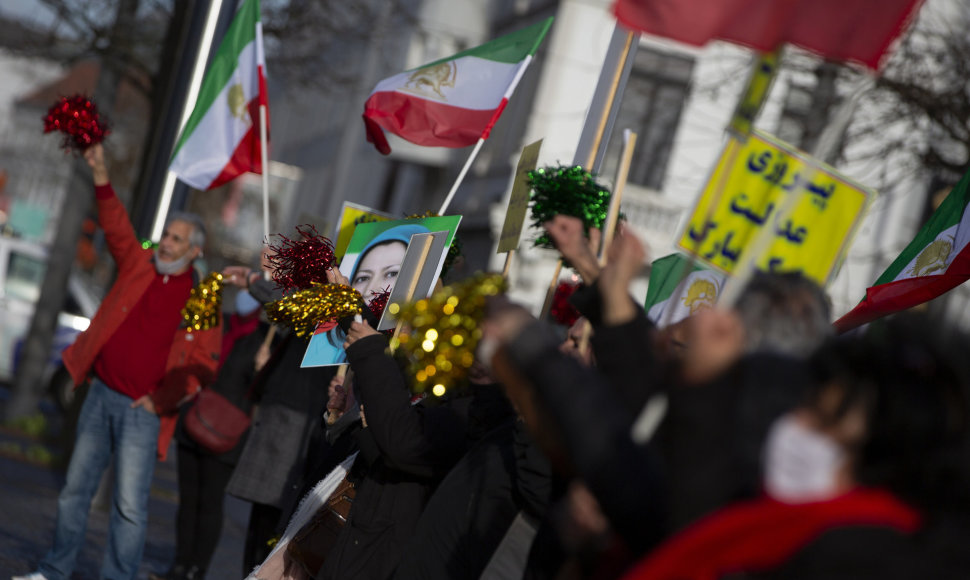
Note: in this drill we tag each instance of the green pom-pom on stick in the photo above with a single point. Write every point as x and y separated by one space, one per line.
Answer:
567 191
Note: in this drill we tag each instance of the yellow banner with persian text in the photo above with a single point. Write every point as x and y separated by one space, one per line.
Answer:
749 182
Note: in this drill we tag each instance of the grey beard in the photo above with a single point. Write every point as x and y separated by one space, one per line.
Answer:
171 267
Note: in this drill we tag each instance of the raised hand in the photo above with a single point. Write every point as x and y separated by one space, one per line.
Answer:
625 260
567 234
237 275
94 155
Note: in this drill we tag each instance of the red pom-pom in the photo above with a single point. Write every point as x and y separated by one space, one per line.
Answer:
78 118
300 263
561 310
378 302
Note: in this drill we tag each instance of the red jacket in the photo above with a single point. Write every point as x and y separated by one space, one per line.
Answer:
194 357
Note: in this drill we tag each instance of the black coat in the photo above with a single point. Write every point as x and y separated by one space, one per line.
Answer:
473 507
705 452
405 450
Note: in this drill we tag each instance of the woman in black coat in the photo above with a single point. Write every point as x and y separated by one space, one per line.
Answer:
406 447
203 475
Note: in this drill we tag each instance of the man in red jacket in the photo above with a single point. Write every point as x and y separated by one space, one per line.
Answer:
142 363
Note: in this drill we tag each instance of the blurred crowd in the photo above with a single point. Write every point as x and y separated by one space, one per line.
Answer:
741 442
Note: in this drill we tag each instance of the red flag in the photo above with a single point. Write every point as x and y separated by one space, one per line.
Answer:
856 30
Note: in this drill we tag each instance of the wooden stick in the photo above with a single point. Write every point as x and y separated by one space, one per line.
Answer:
413 286
604 116
622 174
508 264
547 304
605 113
269 336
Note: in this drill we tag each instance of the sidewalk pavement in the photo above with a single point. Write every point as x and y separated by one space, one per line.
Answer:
28 508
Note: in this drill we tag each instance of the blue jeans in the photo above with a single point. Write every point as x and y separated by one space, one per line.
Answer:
107 425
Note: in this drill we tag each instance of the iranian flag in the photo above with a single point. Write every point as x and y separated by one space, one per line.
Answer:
936 261
858 30
452 102
221 140
672 296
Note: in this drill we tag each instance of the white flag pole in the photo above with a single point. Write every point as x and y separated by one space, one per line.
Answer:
488 129
263 135
264 153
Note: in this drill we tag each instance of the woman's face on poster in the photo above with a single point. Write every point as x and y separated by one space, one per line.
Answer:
379 268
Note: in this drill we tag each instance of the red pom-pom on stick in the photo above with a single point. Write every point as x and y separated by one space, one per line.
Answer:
378 302
78 118
561 310
299 263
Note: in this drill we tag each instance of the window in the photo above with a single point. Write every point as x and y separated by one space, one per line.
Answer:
651 106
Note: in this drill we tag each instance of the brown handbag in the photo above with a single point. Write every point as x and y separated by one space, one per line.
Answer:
312 544
214 422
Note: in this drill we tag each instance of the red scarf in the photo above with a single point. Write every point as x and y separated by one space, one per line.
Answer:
762 534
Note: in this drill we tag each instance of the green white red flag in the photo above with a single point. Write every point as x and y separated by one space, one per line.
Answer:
221 140
936 261
455 101
672 296
858 30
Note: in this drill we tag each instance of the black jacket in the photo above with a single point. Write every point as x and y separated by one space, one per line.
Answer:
705 452
473 507
405 450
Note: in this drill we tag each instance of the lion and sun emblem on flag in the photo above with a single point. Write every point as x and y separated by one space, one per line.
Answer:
934 257
430 80
236 98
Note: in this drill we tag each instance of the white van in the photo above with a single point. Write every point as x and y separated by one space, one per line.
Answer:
22 268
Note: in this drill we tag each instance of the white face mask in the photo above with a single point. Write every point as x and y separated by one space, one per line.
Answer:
171 266
801 465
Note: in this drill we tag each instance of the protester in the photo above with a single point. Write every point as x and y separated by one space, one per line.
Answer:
406 447
273 465
719 403
203 475
142 361
741 369
867 479
472 509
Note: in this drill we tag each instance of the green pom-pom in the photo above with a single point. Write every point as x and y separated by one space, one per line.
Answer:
567 191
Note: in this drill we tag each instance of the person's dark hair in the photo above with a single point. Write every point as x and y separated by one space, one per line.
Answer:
784 313
912 386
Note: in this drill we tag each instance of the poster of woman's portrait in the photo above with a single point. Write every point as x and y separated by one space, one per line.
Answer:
372 263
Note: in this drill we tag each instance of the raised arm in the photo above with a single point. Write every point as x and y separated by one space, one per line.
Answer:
112 216
411 438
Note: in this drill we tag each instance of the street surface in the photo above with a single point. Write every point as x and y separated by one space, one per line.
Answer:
28 507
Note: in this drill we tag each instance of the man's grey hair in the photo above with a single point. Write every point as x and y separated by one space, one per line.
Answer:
784 313
197 237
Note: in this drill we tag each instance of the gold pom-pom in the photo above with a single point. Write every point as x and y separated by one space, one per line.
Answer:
445 330
304 309
204 307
